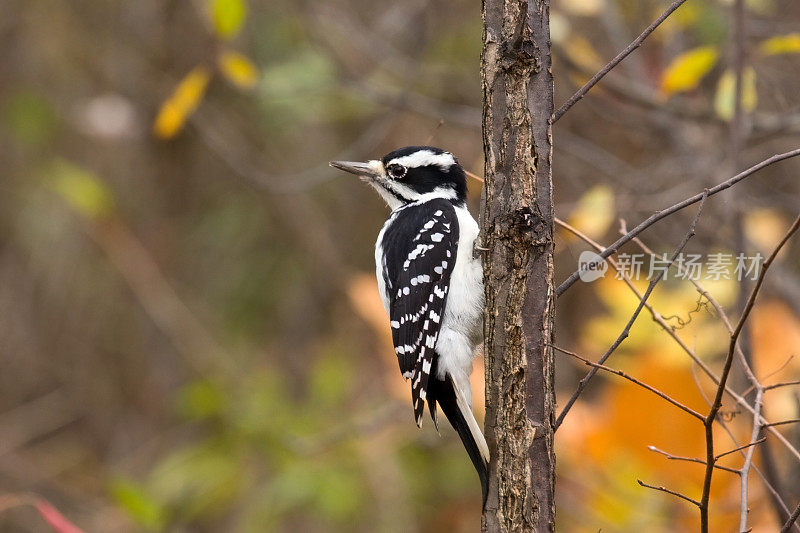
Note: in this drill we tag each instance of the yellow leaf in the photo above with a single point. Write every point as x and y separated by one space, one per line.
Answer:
182 103
781 44
594 212
685 71
726 93
227 16
82 190
238 69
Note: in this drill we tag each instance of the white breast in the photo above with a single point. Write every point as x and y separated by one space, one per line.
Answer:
465 299
461 324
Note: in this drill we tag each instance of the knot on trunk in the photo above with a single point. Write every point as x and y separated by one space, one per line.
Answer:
524 225
518 56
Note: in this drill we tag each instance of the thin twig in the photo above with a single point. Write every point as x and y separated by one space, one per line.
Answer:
626 330
717 403
658 215
474 176
744 508
614 62
435 131
782 384
792 519
742 447
644 97
632 379
782 422
668 491
767 483
695 359
691 460
739 398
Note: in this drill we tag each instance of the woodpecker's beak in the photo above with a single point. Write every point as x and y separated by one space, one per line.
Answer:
370 169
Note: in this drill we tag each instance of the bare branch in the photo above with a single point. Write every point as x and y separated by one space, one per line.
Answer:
792 519
767 480
690 460
668 491
742 447
658 215
782 422
751 300
739 398
632 379
763 123
712 414
614 62
626 330
748 461
782 384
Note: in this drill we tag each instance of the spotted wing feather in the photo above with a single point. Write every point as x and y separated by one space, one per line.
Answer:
425 243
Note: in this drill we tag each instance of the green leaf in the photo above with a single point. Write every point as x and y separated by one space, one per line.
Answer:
201 480
227 16
686 71
140 506
201 399
29 118
84 192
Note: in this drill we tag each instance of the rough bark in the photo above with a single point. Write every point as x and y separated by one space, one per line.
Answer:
517 234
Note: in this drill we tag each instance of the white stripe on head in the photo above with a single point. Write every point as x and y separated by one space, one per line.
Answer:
424 158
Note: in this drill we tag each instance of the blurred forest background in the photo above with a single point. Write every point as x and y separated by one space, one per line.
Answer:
190 333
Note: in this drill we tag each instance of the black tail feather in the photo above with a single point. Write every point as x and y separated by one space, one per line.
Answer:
434 417
444 393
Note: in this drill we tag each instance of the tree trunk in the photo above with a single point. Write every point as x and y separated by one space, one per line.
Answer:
517 232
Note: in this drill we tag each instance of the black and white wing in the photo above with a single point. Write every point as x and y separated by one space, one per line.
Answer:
420 251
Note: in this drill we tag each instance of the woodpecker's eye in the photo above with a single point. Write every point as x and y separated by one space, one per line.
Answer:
396 171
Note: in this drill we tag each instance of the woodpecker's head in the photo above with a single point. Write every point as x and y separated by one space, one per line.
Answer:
412 173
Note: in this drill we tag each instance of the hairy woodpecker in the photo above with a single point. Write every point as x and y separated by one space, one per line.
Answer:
430 282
